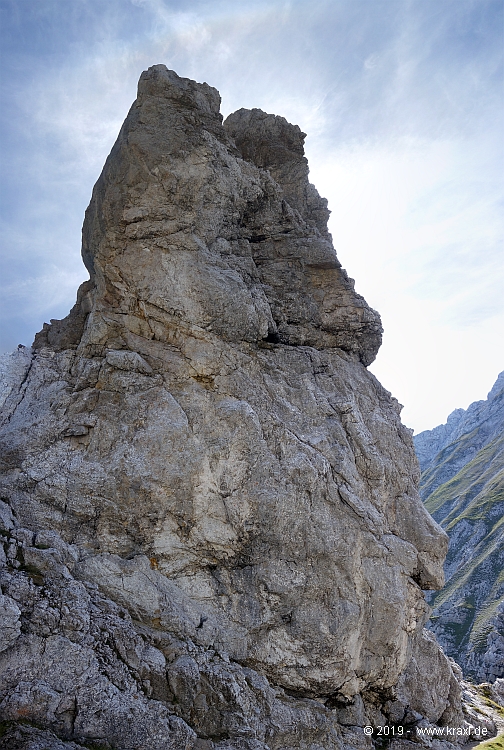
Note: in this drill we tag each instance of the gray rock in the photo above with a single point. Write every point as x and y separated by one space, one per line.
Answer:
13 371
10 625
353 713
229 542
25 737
130 361
429 686
6 518
89 674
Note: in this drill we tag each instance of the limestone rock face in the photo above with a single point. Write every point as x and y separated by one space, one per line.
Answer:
203 447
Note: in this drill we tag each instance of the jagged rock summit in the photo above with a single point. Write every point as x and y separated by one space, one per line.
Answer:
210 506
181 234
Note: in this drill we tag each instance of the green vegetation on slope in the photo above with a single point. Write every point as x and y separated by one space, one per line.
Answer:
469 505
495 743
482 478
457 453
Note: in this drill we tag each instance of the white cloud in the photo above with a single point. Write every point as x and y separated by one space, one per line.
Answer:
371 62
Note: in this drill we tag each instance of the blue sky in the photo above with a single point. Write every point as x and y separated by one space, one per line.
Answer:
402 101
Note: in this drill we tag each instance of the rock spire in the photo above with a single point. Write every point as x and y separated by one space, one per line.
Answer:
199 457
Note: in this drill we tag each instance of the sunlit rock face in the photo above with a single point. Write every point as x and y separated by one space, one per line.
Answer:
202 427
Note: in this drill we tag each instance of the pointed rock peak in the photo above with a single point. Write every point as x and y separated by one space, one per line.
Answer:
272 143
497 387
160 82
268 141
213 228
202 433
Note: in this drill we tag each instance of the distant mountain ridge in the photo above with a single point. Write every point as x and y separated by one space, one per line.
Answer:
462 485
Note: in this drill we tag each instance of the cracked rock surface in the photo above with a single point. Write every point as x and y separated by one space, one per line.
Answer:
212 531
81 672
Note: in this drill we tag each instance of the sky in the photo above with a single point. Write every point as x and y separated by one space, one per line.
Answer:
403 104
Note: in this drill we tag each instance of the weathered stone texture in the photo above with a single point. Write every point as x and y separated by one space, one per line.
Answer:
234 495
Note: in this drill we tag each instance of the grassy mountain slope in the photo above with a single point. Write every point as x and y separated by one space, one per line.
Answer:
463 488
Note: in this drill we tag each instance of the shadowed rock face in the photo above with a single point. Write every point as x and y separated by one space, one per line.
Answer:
202 426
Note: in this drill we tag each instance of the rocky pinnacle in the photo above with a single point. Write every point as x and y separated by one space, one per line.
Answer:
215 464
